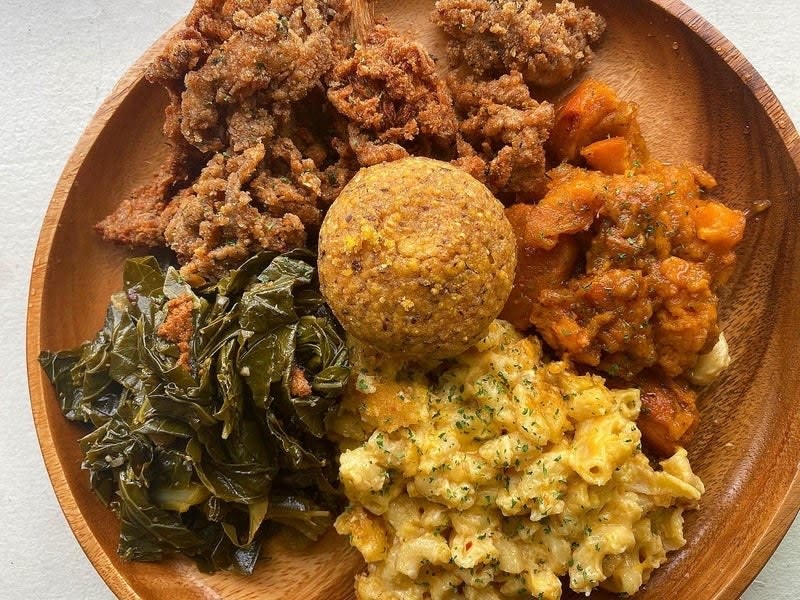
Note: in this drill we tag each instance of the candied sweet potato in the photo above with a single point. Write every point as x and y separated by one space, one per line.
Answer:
669 415
591 113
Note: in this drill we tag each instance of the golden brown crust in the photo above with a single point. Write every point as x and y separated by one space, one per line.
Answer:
394 100
416 258
299 387
178 326
241 76
217 225
500 36
274 53
234 75
502 135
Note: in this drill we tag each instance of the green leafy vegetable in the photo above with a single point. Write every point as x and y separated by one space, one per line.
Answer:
199 438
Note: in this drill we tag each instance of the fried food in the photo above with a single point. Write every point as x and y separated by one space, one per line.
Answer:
416 258
500 36
271 54
249 169
502 134
217 225
141 218
621 271
178 327
241 77
396 105
394 101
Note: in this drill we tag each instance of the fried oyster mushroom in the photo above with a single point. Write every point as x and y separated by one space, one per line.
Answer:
237 77
141 217
497 36
502 135
217 225
271 54
393 99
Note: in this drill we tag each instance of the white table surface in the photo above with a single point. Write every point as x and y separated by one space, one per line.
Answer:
59 60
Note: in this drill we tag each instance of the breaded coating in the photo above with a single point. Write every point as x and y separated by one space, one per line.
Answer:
299 386
502 135
239 75
178 326
394 100
500 36
218 225
273 109
276 54
141 218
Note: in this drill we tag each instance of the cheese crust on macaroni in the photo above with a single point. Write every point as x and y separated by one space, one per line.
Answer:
496 473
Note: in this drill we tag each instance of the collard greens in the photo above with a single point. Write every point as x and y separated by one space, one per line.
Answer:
203 456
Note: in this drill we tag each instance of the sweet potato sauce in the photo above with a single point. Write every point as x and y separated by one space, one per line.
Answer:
620 262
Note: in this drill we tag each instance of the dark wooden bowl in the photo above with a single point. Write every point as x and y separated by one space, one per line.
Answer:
700 100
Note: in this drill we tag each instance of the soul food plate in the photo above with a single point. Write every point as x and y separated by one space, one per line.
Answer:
702 102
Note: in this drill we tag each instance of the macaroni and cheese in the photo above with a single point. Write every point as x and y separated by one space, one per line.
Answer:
496 473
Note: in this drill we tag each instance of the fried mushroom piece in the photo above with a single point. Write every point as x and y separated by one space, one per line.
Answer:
497 36
277 52
140 218
238 76
394 100
502 135
217 224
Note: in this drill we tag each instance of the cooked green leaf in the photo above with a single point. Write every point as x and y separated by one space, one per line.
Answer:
198 442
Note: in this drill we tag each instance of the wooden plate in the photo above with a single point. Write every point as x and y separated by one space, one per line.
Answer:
700 100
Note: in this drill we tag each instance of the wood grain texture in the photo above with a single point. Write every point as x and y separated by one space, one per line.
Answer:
700 100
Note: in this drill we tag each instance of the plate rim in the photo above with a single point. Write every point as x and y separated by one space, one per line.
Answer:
770 537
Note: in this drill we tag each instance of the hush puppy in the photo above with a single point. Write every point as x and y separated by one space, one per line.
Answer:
416 258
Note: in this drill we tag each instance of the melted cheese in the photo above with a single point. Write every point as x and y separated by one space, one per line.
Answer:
496 473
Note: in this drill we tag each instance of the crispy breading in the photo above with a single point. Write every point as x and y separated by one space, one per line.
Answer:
280 87
235 75
299 386
141 217
500 36
502 131
218 225
278 55
394 100
178 326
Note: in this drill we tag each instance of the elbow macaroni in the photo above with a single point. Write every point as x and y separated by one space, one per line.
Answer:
497 473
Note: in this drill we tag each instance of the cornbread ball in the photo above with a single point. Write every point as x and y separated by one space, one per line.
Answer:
416 258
